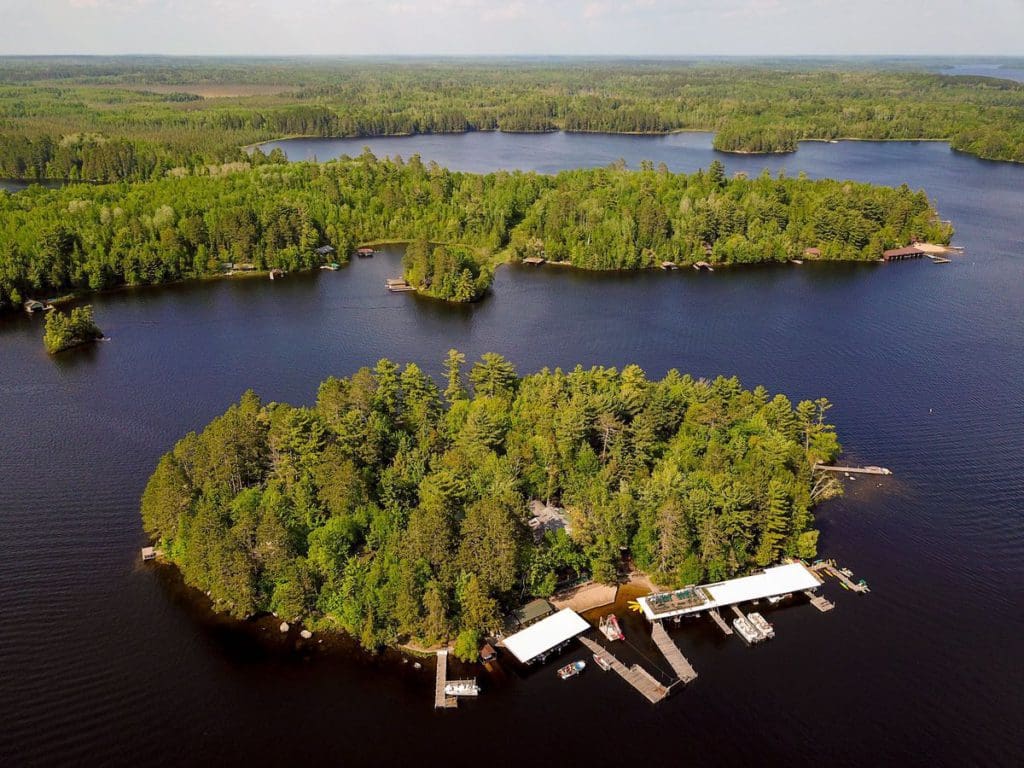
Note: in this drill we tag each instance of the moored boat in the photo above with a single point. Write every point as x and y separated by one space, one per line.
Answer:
746 630
571 670
602 662
610 627
462 688
761 625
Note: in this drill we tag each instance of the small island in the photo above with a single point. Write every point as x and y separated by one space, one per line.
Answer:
397 511
64 332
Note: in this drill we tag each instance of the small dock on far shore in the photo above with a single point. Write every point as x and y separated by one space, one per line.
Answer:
869 470
679 663
636 676
843 575
441 699
398 285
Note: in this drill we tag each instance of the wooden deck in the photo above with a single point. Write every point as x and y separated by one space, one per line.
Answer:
819 602
722 624
441 700
636 675
679 663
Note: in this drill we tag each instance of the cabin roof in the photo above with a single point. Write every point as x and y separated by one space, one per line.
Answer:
533 610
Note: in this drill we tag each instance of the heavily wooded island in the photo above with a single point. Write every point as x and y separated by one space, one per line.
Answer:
275 215
393 509
139 118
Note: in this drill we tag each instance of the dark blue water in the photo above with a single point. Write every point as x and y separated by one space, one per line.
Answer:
987 70
103 661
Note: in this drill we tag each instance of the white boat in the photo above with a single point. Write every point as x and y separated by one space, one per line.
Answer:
761 625
602 662
776 599
746 630
462 688
609 626
571 670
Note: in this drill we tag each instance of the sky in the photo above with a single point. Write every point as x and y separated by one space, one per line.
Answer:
513 27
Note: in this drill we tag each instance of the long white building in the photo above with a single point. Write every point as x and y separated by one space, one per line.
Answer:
771 582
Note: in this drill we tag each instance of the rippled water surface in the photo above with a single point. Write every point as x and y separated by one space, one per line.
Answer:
106 662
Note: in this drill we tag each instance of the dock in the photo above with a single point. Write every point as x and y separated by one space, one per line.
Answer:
823 604
534 261
679 663
398 285
636 676
870 470
830 567
722 624
703 265
441 699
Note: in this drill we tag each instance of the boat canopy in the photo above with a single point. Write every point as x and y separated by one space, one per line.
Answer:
546 634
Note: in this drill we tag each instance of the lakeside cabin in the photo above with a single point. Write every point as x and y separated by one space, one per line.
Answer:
899 254
32 306
533 611
364 253
812 252
324 250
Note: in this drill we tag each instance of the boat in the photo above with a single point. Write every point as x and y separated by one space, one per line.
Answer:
571 670
843 585
602 662
610 627
462 688
776 599
761 625
746 630
333 266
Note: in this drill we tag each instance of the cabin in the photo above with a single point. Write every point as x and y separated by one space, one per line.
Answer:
487 653
324 250
546 518
148 553
812 253
899 254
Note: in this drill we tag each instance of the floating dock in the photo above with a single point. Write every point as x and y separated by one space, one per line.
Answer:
398 285
823 604
441 699
636 676
679 663
830 567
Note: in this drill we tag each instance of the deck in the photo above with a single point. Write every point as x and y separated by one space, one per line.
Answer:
679 663
853 470
722 624
823 604
636 676
829 567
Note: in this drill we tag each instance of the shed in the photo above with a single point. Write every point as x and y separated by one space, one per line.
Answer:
487 653
533 611
148 553
325 250
812 252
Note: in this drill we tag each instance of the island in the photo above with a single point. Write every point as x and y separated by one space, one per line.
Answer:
396 510
64 332
277 216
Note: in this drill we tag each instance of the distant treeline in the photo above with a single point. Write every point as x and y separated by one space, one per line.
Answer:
88 237
394 509
116 119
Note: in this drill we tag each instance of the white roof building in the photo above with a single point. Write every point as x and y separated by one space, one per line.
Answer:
546 634
780 580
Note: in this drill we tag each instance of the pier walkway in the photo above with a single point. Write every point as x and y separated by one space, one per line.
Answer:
853 470
679 663
636 675
722 624
823 604
441 700
829 567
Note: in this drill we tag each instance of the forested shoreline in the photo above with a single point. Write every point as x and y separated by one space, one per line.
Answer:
275 215
129 119
395 509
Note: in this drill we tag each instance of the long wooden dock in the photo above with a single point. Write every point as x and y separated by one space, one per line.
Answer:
829 567
441 700
853 470
722 624
635 675
679 663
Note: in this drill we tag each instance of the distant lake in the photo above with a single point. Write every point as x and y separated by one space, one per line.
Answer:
16 185
987 70
104 661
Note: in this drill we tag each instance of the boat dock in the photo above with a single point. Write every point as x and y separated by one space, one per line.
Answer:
398 285
830 567
679 663
636 676
853 470
722 624
441 699
823 604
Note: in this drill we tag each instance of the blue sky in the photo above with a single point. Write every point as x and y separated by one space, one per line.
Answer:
656 27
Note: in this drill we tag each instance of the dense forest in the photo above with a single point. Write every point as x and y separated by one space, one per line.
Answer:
137 118
89 237
393 509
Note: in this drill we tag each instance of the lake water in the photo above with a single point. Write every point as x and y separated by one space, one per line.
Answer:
106 661
987 70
